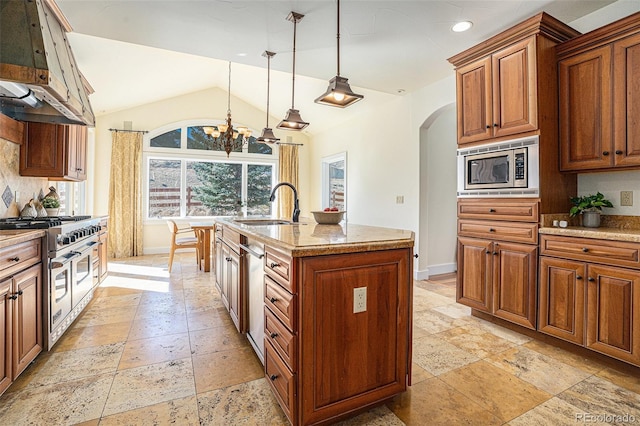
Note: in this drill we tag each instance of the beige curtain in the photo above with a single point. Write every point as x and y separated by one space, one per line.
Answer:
125 195
288 172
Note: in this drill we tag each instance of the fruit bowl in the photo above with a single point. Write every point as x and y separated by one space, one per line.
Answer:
328 218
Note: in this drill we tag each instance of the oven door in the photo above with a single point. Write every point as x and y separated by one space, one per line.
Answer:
60 282
82 273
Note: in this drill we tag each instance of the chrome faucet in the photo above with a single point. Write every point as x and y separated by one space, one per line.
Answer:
296 205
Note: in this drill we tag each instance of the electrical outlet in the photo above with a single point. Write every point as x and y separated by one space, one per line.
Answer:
626 198
359 299
399 199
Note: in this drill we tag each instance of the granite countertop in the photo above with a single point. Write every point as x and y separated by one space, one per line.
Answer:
15 236
307 238
613 228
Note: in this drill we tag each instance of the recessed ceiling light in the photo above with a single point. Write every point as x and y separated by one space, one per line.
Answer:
461 26
241 54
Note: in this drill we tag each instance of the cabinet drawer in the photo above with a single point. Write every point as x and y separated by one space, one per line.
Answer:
19 256
282 381
283 340
505 231
597 251
498 209
279 301
278 266
232 237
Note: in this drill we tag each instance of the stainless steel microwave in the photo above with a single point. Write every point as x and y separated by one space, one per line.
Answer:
502 169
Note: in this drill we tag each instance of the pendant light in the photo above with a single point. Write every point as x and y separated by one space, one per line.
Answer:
292 120
267 135
338 94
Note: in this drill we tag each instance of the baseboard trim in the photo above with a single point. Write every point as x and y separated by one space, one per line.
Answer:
162 250
443 268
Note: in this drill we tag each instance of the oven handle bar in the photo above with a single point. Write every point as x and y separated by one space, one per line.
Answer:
56 263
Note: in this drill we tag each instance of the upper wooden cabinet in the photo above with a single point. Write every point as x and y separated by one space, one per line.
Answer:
54 151
506 83
599 88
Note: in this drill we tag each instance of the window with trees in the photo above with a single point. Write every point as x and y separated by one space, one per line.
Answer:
188 177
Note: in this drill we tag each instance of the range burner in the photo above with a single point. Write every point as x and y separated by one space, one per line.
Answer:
38 222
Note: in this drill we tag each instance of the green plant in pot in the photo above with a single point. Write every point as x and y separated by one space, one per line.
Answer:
590 206
51 205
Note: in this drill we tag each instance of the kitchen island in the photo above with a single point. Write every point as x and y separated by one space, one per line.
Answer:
335 310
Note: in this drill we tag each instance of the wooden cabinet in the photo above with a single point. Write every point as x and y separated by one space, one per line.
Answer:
599 98
21 287
496 95
317 356
103 240
504 83
497 266
229 275
498 278
54 151
588 303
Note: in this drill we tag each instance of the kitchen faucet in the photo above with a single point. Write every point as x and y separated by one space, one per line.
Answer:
296 205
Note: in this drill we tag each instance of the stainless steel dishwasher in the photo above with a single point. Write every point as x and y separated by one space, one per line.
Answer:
255 290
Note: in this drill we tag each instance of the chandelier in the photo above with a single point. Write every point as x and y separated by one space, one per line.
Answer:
223 136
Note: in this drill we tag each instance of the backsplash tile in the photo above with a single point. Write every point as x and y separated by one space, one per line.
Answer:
27 187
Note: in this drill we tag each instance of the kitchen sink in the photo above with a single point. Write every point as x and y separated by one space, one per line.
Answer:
262 221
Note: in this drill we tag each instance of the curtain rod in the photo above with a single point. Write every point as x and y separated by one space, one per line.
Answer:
289 143
124 130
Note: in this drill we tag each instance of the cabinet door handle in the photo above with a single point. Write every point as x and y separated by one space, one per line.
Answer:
591 279
228 259
13 297
492 210
584 249
14 259
273 377
273 300
274 265
274 335
618 152
605 153
578 277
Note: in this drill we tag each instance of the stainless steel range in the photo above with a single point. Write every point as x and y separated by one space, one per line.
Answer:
69 281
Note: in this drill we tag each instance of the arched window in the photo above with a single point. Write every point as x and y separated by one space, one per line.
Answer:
185 176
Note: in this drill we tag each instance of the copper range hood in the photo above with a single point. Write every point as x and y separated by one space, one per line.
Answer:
39 78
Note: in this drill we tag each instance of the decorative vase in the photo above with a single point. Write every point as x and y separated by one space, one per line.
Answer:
591 219
52 212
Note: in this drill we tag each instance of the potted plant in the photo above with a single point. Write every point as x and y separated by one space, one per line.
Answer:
51 205
590 206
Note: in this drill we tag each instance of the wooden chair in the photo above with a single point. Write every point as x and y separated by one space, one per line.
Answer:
182 242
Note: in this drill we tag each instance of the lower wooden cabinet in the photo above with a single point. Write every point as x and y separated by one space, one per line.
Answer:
498 278
20 322
229 282
590 304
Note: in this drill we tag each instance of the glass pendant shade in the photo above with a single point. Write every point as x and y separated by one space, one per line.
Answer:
267 135
292 121
338 93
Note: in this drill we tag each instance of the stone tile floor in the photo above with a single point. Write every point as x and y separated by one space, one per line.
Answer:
154 348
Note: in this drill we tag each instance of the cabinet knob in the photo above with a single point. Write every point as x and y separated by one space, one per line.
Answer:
488 252
495 124
578 277
591 279
13 297
20 293
228 259
274 265
492 210
584 249
618 152
488 126
492 230
14 259
605 152
273 300
273 377
415 255
495 253
274 335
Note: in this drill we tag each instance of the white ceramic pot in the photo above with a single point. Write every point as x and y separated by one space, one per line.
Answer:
591 219
52 212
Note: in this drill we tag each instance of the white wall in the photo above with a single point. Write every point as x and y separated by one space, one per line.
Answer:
438 194
206 104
